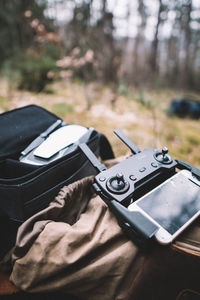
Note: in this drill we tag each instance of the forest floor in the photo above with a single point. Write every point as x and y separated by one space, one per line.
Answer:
141 115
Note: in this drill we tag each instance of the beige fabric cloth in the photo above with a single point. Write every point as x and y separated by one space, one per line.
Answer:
75 245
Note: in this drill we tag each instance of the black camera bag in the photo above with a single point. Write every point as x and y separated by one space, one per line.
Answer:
26 189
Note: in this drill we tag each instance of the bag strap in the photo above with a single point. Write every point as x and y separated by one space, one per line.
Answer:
106 151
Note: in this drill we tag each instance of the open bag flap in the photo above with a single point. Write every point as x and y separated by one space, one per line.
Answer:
20 126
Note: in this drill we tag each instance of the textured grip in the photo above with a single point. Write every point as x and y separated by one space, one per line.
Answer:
135 219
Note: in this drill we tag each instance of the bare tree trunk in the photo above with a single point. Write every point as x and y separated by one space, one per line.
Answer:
187 30
104 2
172 62
139 43
193 59
154 47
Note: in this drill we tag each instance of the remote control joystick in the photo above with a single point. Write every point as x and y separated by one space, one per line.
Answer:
164 153
117 184
163 157
125 180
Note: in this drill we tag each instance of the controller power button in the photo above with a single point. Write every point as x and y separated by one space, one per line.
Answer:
133 178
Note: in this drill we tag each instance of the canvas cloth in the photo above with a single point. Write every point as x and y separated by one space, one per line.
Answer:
75 245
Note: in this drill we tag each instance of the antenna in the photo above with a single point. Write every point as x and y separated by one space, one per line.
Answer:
92 158
134 149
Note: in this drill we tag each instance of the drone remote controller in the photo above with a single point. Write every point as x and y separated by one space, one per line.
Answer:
123 183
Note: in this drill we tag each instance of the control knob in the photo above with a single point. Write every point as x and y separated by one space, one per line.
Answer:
117 184
163 157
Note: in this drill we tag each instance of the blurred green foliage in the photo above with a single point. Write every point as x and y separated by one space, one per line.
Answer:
34 29
34 71
62 109
144 100
16 31
123 88
26 57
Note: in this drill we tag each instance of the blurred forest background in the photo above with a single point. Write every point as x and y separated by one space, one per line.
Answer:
106 64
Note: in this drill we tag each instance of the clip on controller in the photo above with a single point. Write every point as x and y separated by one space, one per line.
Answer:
118 185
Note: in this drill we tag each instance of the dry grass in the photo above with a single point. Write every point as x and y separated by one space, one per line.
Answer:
141 116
